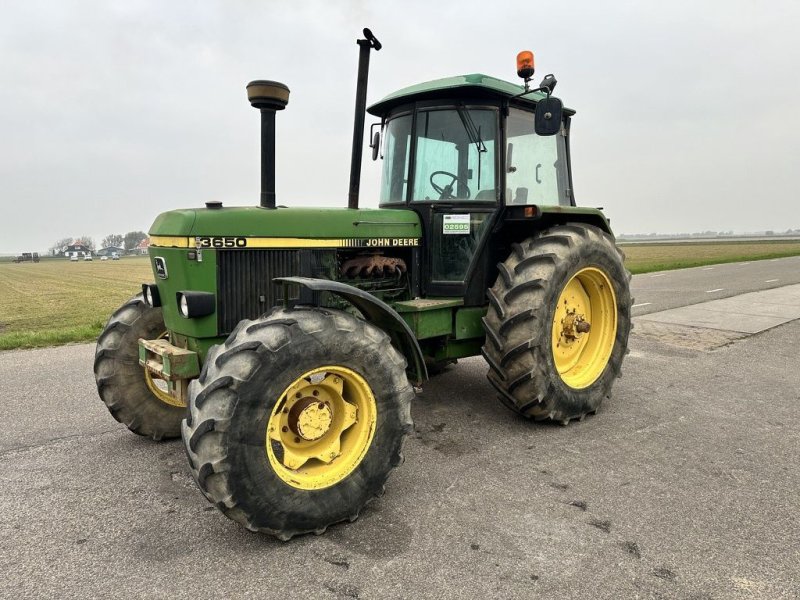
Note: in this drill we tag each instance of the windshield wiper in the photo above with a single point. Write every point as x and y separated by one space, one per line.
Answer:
473 132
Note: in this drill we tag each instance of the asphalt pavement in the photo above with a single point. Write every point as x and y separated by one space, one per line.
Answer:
684 485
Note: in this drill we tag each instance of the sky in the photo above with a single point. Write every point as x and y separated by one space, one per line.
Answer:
114 111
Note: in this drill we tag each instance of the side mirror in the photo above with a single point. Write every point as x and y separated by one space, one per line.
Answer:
547 119
375 145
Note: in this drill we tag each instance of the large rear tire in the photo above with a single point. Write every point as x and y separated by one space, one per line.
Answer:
297 420
558 323
131 395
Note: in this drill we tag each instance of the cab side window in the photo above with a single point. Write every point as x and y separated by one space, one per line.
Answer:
535 165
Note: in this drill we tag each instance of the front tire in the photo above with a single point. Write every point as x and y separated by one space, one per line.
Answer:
558 323
297 420
127 389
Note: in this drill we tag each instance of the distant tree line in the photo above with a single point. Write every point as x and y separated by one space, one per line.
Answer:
115 239
128 241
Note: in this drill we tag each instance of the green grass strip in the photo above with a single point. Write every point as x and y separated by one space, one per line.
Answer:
40 339
686 263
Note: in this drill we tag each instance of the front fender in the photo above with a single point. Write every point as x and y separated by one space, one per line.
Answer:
375 311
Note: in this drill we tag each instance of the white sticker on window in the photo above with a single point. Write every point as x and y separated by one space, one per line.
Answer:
458 224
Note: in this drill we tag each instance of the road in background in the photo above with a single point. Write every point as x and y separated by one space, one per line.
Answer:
670 289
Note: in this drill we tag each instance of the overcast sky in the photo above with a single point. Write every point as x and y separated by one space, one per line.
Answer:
111 112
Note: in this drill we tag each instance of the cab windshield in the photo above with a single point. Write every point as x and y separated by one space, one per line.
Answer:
454 160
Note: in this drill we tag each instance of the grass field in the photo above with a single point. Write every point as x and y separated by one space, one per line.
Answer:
56 301
645 258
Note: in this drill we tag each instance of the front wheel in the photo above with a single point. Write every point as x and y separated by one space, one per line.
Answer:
297 420
132 396
558 323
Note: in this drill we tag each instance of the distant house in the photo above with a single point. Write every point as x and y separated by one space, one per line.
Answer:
77 248
111 251
141 247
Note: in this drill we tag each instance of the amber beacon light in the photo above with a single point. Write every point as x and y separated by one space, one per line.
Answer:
525 66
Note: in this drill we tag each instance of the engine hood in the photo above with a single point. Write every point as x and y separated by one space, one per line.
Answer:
252 226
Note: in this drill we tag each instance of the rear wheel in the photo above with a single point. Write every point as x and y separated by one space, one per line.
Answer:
558 323
297 420
132 396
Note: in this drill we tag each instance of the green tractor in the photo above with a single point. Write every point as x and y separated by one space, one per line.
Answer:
284 345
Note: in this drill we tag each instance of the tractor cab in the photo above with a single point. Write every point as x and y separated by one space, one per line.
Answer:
458 152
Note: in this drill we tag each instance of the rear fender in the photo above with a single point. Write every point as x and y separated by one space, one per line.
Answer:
519 222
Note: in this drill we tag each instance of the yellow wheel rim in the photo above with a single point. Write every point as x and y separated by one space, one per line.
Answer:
159 393
584 327
321 428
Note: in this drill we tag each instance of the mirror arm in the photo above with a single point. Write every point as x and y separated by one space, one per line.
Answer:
372 131
546 90
372 142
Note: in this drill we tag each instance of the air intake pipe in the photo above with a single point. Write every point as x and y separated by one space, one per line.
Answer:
268 97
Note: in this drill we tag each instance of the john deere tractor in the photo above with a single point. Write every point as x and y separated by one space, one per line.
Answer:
284 345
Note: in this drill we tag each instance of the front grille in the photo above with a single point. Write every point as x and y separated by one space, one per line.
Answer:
244 283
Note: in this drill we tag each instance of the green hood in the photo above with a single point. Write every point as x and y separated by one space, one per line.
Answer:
322 223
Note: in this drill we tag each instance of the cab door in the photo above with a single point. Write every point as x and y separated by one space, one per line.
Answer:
456 235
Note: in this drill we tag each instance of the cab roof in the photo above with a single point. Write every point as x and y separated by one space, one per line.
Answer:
476 84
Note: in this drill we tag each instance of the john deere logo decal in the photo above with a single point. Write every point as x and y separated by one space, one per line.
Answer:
161 267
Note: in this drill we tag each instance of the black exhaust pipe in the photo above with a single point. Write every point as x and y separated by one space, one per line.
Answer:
365 46
268 97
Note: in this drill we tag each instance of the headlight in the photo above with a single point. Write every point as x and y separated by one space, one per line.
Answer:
195 304
183 306
151 296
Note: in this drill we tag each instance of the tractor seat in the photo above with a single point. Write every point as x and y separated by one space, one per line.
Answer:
520 198
490 194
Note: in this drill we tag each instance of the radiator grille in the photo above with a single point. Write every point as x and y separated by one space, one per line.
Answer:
244 283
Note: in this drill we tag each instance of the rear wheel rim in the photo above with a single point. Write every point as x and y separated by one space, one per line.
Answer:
584 327
321 427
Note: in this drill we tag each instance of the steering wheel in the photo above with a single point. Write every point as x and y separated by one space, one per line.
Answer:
446 192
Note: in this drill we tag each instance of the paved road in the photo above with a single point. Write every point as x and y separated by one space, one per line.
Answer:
683 486
670 289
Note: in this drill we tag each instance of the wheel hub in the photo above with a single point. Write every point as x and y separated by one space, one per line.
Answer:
573 325
310 419
321 427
